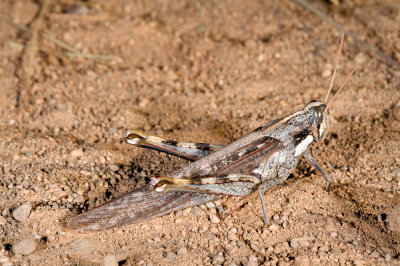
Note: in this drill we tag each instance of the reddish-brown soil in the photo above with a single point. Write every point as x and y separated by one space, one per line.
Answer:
196 71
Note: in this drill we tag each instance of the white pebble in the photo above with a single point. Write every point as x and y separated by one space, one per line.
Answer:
273 227
110 260
24 247
252 261
214 219
82 246
326 73
210 205
330 225
22 212
360 58
3 220
218 259
76 153
182 251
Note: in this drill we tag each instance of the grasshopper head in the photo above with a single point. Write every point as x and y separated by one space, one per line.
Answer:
317 117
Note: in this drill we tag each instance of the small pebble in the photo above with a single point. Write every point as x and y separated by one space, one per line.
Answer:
281 247
214 230
336 251
252 261
232 236
22 212
5 212
394 220
76 153
157 227
326 73
170 255
82 246
197 211
78 9
218 259
186 211
360 58
145 226
102 160
324 248
273 227
214 219
110 260
375 254
330 225
114 167
231 249
210 205
24 247
182 251
301 261
85 173
301 241
359 262
3 220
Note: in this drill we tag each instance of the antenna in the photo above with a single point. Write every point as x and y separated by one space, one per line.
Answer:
341 88
334 71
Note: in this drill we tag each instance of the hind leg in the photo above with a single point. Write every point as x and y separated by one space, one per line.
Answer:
188 151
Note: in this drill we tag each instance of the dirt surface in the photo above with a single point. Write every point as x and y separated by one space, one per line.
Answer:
204 71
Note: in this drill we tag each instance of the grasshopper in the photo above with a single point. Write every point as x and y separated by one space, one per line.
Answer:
255 162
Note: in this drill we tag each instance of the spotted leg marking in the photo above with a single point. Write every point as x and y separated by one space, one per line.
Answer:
188 151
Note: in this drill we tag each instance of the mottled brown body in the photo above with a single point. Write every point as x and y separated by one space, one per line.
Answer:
258 161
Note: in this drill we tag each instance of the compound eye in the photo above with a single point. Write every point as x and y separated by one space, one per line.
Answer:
319 116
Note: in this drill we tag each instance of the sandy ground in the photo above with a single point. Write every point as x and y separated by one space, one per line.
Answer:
205 71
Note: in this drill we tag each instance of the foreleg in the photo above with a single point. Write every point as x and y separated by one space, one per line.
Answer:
312 160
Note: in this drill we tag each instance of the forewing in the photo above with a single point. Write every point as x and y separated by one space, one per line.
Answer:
136 206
